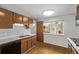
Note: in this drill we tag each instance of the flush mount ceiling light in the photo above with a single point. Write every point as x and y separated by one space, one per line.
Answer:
48 12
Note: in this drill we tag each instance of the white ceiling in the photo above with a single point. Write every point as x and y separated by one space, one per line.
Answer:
35 10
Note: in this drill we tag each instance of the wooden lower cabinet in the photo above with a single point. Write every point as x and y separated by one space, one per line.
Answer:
27 44
33 40
24 44
19 46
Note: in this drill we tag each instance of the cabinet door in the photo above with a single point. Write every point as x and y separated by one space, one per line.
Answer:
30 22
29 43
33 40
24 45
77 10
25 20
5 18
39 27
18 18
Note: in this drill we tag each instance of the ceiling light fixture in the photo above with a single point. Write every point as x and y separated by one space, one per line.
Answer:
48 12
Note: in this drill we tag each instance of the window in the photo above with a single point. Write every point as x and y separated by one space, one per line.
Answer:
54 27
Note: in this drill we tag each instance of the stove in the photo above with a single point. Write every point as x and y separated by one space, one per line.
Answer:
75 40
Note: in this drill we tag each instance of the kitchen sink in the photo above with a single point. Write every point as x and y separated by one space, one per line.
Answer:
24 35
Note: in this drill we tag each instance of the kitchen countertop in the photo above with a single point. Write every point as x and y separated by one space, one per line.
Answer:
54 34
7 39
26 36
73 44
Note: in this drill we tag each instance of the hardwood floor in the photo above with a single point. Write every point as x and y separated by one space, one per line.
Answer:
43 48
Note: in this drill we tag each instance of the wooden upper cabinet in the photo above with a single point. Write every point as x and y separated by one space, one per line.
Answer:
77 10
25 21
18 18
5 18
30 22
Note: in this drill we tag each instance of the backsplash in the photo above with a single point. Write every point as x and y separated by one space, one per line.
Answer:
16 30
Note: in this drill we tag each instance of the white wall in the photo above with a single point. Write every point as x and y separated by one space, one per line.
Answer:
59 40
70 30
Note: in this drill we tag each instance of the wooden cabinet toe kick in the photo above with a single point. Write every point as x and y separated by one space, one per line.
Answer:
28 51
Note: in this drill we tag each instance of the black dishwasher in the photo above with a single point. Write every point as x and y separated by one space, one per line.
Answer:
11 47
